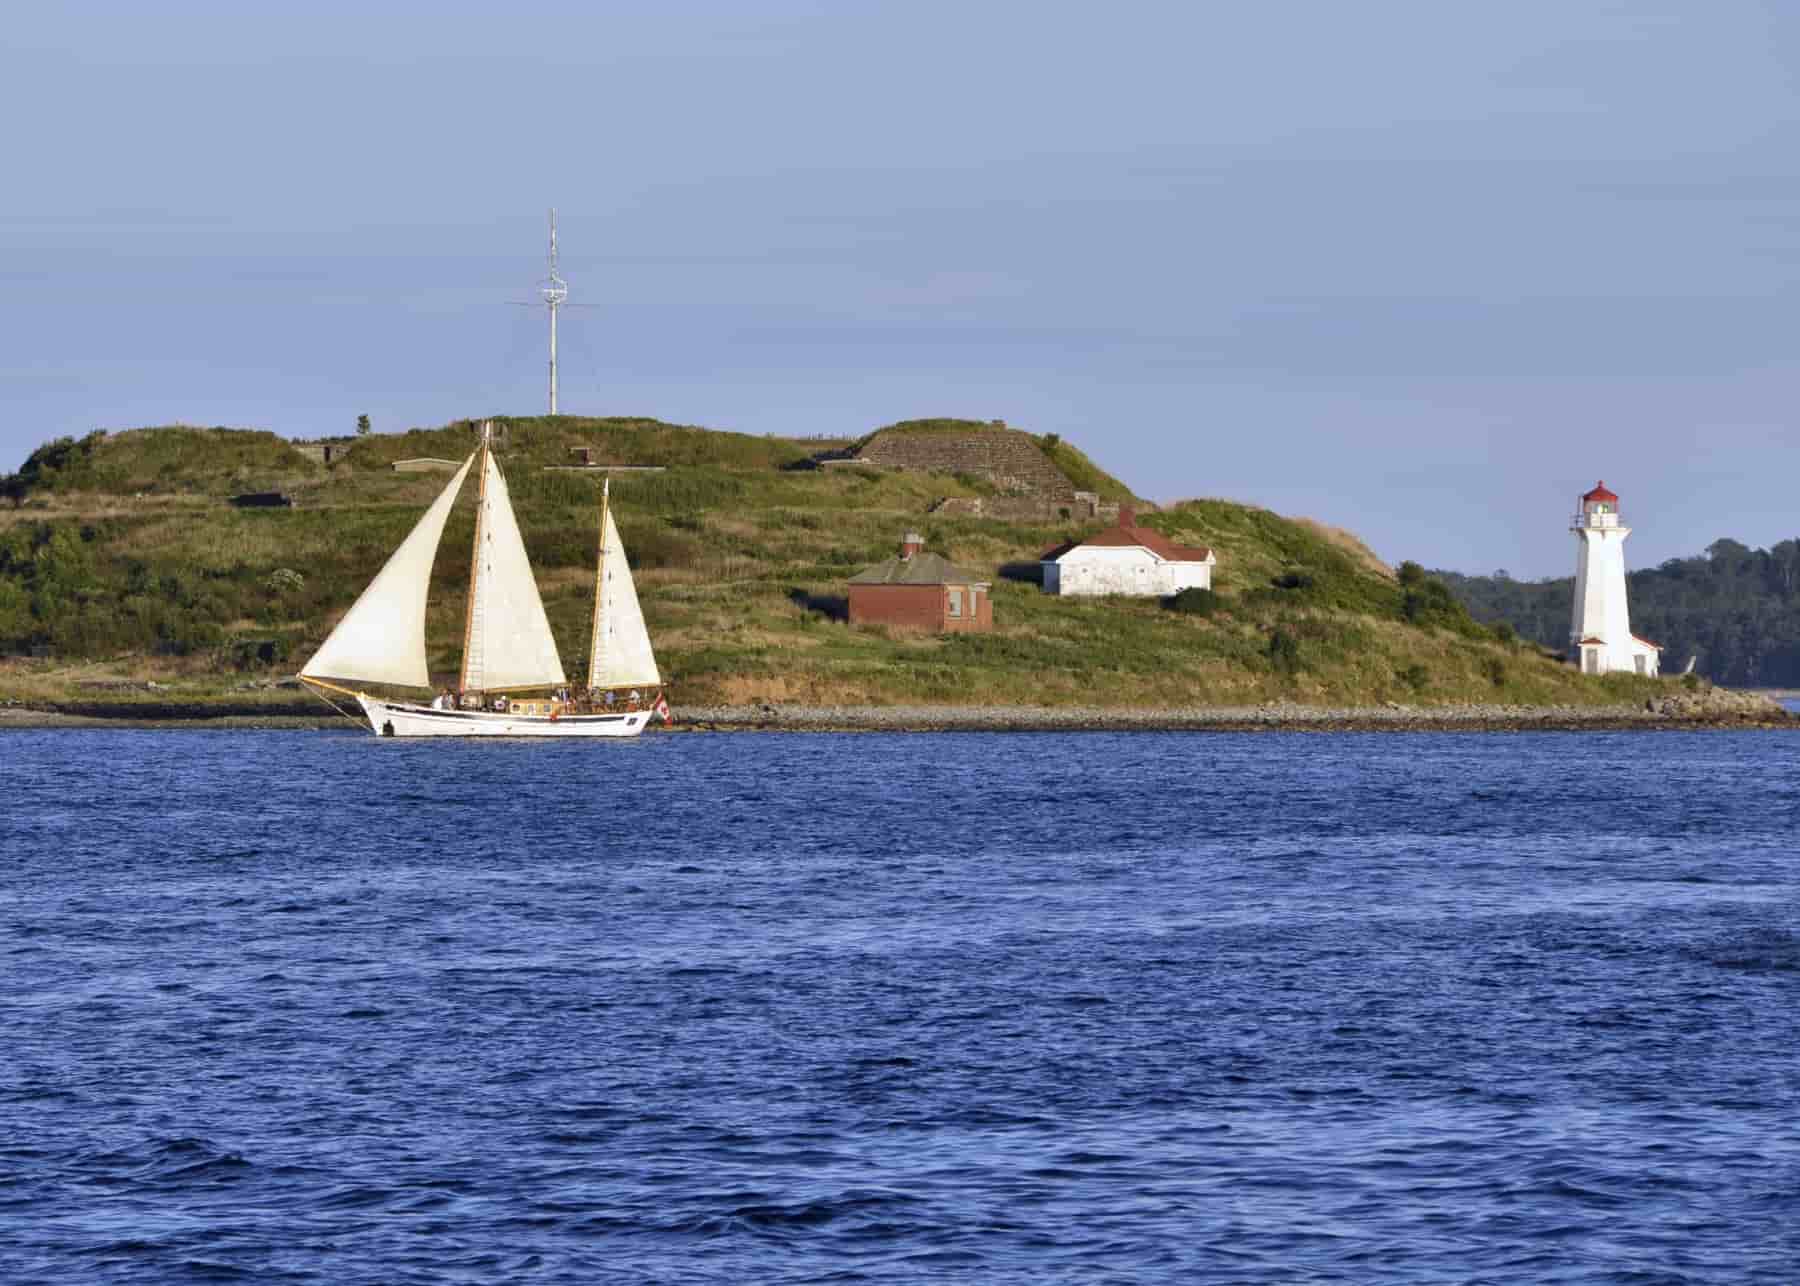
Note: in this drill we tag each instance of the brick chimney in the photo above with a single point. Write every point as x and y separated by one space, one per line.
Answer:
911 543
1127 517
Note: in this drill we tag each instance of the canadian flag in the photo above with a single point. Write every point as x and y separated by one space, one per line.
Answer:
662 708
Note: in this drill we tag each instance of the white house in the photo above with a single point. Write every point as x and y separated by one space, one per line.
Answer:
1600 637
1127 559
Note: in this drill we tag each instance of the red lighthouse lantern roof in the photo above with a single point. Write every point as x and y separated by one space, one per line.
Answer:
1601 493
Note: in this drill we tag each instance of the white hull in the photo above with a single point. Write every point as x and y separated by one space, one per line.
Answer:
400 719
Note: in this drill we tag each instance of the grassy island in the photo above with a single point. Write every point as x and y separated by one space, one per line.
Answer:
124 563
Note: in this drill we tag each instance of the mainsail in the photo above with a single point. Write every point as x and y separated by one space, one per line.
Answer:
509 642
382 637
621 656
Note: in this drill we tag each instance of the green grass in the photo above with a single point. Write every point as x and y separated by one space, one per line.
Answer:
1083 472
161 461
942 424
123 553
546 440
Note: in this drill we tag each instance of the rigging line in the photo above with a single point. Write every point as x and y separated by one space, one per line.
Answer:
334 705
505 381
581 359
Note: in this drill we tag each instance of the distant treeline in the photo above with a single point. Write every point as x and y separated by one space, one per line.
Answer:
1736 609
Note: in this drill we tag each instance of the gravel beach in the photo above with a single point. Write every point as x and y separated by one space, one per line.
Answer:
1706 709
1709 709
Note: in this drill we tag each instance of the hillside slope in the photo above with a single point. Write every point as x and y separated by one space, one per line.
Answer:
122 557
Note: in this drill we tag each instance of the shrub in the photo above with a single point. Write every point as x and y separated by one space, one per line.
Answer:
1414 676
1284 652
247 654
1495 669
51 465
1427 602
1194 601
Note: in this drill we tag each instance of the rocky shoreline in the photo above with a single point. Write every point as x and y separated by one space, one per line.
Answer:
1707 708
1710 710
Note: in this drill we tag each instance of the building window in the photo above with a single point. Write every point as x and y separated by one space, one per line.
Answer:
955 608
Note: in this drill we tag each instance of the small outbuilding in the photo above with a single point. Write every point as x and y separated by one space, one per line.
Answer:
1127 559
921 591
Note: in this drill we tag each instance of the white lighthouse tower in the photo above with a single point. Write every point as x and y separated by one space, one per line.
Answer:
1600 634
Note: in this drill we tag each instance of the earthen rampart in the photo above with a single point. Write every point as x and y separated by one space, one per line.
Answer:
1009 459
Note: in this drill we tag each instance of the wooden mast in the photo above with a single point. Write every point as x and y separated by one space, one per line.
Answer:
599 582
462 684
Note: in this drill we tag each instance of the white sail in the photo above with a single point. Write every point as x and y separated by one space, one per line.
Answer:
509 644
621 656
382 637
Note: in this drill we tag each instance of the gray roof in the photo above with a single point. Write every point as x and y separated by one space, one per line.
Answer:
920 569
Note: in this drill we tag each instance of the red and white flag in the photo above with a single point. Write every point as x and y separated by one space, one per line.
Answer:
662 708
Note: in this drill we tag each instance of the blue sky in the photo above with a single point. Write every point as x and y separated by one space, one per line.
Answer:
1422 270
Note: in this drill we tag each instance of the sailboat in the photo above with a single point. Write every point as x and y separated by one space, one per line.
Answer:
511 683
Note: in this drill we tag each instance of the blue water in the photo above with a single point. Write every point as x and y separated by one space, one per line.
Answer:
780 1008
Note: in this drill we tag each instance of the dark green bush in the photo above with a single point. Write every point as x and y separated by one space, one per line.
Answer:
1428 603
1284 652
1194 601
252 654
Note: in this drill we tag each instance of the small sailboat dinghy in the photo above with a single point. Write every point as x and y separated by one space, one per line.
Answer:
512 682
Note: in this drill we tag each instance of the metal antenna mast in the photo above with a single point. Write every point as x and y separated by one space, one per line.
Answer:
554 290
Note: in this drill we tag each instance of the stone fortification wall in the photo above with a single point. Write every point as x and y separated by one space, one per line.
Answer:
1009 458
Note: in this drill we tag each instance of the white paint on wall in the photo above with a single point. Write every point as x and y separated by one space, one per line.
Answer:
1600 625
1135 570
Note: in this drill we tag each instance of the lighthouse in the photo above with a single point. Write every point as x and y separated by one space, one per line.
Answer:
1600 636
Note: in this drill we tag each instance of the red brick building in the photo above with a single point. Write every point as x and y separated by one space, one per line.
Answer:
921 591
